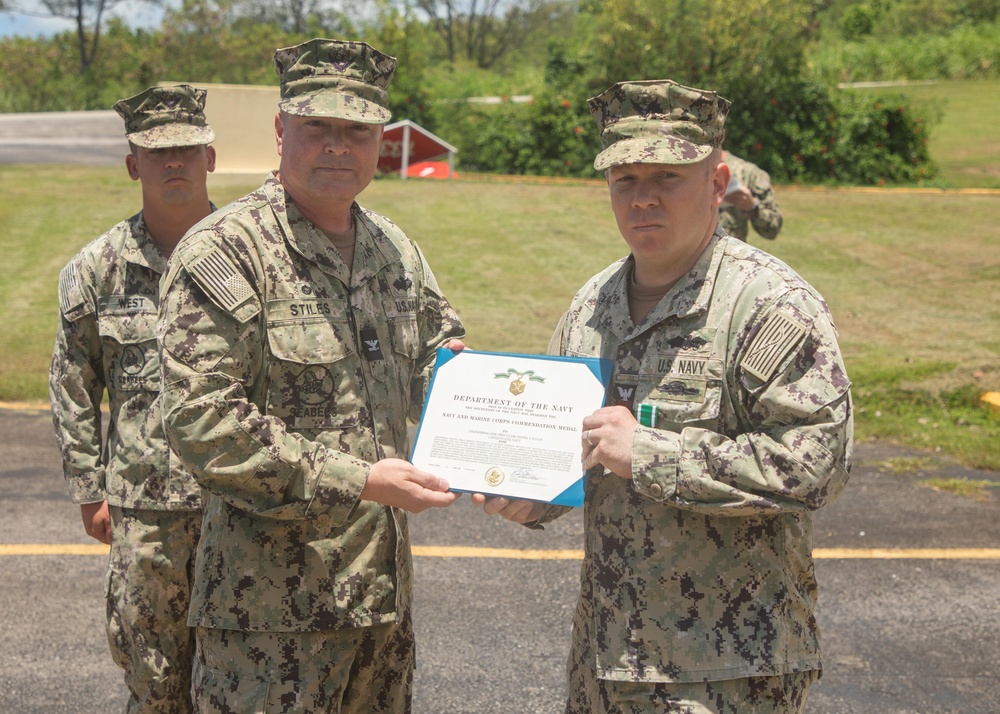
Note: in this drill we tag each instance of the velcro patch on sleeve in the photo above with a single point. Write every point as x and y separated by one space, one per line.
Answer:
778 337
70 294
221 281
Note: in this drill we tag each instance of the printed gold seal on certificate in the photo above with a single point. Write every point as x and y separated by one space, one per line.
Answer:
494 476
517 386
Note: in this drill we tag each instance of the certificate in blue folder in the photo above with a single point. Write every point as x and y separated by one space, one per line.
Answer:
505 424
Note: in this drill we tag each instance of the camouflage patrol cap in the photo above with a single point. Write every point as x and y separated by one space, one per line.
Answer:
335 78
657 122
161 117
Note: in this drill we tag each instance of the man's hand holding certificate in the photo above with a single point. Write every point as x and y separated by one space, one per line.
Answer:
510 425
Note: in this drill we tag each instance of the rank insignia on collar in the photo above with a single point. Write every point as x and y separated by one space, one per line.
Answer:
370 342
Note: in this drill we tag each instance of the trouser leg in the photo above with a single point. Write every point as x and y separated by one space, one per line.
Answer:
149 590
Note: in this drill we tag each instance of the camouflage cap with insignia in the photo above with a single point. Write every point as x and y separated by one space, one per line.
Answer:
161 117
335 78
657 122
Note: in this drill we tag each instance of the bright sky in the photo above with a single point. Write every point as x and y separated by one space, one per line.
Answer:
135 13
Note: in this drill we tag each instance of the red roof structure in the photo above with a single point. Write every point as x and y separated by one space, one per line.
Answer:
405 144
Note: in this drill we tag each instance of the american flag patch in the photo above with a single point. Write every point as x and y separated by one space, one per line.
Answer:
68 288
217 275
775 340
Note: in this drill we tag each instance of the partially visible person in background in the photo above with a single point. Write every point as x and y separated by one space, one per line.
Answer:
749 199
133 494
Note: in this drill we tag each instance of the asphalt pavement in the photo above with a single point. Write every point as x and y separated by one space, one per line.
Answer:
901 635
91 138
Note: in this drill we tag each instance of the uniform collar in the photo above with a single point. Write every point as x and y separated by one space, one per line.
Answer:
691 294
309 241
139 247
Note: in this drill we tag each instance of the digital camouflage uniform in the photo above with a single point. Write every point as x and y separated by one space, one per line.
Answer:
108 297
286 376
700 567
698 582
765 216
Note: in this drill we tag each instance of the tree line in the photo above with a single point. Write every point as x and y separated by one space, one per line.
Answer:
787 116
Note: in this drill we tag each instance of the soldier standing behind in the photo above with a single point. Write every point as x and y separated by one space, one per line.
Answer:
749 199
730 422
298 332
133 493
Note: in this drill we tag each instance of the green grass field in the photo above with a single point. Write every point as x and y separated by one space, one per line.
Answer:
911 276
911 279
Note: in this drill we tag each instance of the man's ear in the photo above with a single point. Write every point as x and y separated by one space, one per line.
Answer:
132 165
210 155
720 180
279 130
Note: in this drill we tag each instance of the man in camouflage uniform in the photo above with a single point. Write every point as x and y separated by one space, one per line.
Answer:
749 199
729 421
133 493
298 332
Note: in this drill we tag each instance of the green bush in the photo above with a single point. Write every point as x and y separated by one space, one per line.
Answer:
801 131
796 128
879 140
785 128
550 136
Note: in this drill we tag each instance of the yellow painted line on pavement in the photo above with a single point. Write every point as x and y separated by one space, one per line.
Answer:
25 406
449 551
53 549
39 406
441 551
824 553
907 553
